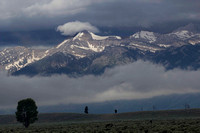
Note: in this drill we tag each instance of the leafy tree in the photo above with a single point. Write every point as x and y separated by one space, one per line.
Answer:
26 112
115 111
86 109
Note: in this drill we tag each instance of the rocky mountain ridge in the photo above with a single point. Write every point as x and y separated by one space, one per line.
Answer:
87 53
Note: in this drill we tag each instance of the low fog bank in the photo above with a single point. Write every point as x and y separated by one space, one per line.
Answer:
164 102
138 80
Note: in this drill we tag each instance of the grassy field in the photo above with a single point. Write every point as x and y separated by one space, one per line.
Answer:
141 126
174 121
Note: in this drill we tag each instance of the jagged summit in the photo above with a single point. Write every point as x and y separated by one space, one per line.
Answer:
84 44
90 35
83 35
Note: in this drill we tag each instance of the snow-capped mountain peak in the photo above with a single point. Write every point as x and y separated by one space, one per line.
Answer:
190 31
83 44
87 44
91 35
150 36
82 35
183 34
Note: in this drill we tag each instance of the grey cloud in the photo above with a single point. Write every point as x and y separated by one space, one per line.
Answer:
142 13
134 81
31 14
57 7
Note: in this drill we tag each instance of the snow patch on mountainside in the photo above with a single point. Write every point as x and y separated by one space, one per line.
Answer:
89 47
145 35
78 36
164 45
80 47
144 48
2 53
65 41
95 49
96 37
194 42
17 64
78 55
183 34
22 62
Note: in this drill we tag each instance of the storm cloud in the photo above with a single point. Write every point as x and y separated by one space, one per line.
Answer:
34 14
133 81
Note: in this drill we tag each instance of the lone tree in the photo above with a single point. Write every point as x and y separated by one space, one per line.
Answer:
115 111
26 112
86 109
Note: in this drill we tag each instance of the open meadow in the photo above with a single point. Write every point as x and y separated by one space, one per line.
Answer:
141 126
174 121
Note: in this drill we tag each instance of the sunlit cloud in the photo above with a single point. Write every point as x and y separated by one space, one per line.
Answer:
72 28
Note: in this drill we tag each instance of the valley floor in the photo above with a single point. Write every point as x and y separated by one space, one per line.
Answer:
170 121
141 126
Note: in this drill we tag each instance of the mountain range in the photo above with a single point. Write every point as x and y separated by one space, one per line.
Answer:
88 53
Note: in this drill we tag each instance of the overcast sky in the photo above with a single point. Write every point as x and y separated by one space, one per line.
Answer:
34 14
133 81
48 22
